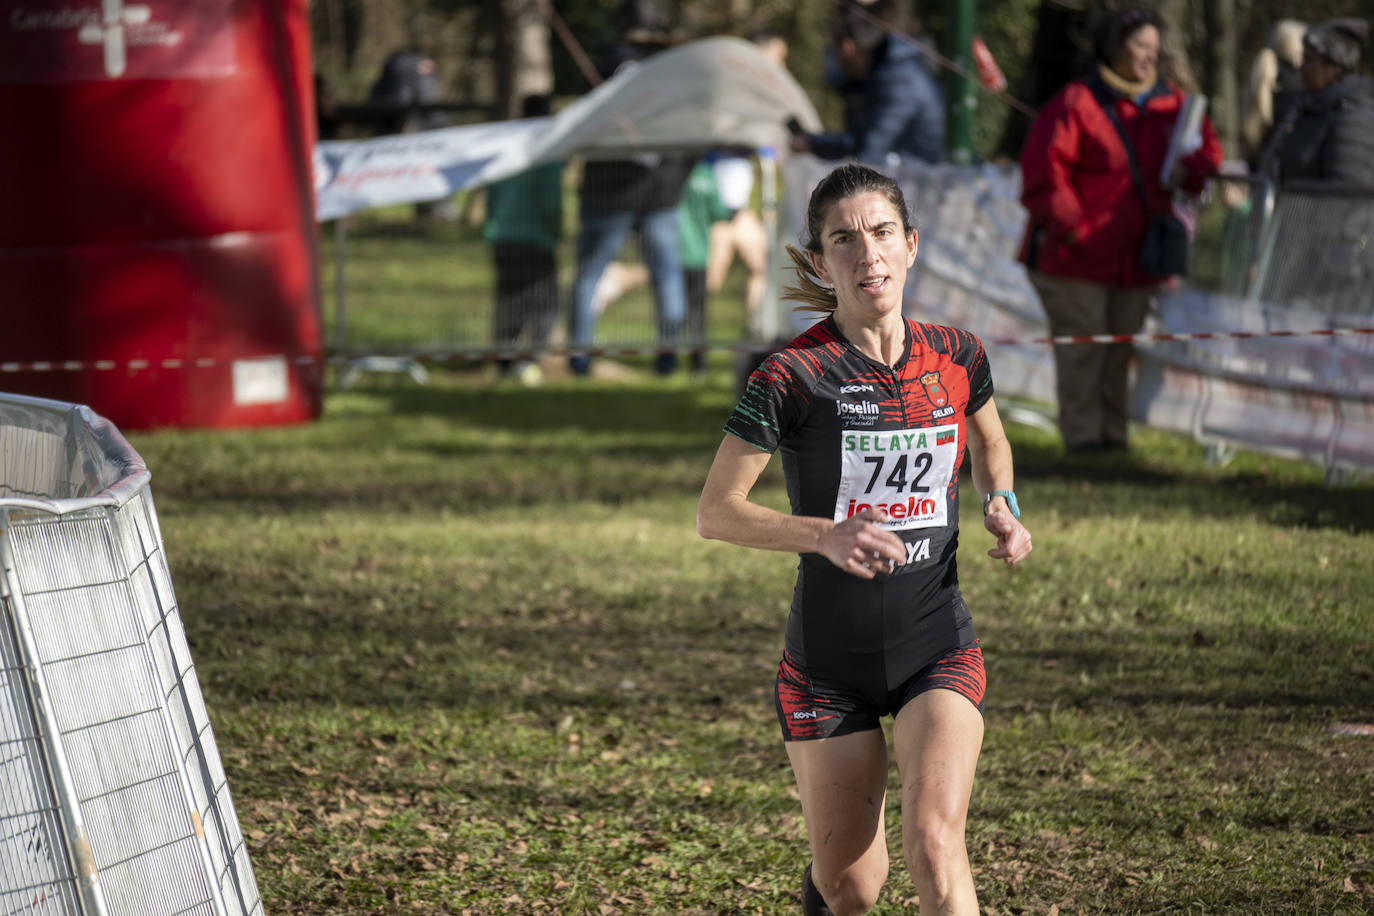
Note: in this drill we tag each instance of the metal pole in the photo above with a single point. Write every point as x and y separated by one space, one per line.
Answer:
83 863
1267 235
962 102
766 321
340 240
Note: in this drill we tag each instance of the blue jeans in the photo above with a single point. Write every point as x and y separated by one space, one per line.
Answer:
601 238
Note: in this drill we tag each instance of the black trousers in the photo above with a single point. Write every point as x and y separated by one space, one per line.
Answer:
526 294
695 282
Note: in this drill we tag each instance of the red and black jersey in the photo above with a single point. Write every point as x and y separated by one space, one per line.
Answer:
855 433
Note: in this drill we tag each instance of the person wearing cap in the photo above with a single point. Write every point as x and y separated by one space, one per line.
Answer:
894 105
1330 136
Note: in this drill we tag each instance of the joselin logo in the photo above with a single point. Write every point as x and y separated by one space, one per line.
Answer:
860 409
934 390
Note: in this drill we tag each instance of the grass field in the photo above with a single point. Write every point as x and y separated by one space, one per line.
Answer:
464 653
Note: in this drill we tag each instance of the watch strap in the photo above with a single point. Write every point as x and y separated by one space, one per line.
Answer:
1009 496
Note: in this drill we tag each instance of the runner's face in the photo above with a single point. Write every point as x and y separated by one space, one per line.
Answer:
865 254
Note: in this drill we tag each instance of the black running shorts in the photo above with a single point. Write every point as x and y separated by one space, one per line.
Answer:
810 708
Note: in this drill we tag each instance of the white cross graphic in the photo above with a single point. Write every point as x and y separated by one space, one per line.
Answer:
110 32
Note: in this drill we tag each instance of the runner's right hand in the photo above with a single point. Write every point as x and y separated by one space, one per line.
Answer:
861 547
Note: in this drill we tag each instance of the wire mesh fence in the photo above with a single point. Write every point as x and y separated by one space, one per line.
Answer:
33 852
521 275
115 800
546 262
1306 246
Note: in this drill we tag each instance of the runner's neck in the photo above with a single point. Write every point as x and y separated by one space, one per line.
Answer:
882 340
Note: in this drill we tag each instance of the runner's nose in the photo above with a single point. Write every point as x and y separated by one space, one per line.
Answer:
869 253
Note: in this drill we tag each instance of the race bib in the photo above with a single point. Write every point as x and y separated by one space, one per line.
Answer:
904 472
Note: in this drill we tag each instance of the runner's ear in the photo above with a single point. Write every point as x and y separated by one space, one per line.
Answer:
818 266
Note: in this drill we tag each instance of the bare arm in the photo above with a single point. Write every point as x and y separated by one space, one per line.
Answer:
856 545
990 453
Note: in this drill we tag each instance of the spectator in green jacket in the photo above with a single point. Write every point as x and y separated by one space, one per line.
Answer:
524 225
700 208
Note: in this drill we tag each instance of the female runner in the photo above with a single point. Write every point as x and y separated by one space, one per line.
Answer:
872 412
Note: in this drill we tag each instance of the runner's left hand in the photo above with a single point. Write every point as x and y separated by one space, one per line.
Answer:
1013 540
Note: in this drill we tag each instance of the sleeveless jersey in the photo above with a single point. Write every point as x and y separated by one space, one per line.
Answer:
855 433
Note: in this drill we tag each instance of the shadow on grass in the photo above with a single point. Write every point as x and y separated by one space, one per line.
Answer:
612 445
357 643
653 407
639 406
1261 670
1218 493
548 662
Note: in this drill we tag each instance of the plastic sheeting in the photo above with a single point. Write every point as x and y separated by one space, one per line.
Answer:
712 93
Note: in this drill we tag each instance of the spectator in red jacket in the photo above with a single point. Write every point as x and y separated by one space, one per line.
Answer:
1087 219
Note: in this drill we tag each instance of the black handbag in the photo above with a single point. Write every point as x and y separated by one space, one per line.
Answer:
1164 252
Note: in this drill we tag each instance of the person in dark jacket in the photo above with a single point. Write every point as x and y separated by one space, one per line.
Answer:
1087 221
620 196
1330 136
893 104
408 80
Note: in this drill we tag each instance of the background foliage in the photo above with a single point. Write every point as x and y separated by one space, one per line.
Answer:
352 37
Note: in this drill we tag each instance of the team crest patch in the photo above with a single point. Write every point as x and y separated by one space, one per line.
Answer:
934 390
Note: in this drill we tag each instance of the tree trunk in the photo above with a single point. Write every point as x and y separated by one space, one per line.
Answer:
1225 90
1177 66
1061 52
526 65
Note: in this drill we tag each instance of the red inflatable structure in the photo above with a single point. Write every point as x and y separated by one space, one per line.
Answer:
158 256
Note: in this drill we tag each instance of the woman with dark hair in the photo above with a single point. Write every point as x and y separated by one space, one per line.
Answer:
1088 215
872 412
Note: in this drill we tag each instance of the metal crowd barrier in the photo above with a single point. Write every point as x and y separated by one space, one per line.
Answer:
113 799
372 328
1307 246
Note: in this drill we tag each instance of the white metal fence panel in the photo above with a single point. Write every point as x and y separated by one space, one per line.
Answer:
33 854
115 799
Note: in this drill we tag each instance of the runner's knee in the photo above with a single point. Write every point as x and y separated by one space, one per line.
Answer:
935 852
853 890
